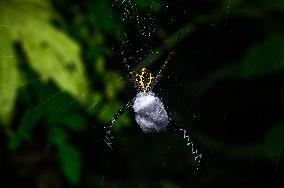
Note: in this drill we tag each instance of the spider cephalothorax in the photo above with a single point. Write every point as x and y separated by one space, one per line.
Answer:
144 80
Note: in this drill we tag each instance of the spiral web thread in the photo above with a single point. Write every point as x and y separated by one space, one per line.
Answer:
197 156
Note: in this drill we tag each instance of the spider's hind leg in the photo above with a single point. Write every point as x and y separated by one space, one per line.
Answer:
108 127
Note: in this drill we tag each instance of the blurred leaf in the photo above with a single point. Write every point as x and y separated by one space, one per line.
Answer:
270 147
9 77
154 5
109 109
99 12
27 123
95 101
274 141
114 84
264 58
69 156
252 9
73 121
100 66
50 52
58 136
70 160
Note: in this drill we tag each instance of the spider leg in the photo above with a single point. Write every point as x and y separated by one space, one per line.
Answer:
108 127
160 73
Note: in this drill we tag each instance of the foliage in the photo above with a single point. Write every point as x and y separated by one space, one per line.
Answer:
43 47
54 56
60 82
264 58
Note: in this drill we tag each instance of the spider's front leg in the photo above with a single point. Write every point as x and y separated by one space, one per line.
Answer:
108 127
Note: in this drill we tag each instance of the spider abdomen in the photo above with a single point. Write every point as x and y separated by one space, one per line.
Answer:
150 113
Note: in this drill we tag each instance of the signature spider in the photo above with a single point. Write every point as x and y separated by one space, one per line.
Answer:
150 113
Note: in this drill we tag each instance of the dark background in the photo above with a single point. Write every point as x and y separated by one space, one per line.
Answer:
224 85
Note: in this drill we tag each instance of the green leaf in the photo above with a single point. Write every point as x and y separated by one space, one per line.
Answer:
50 52
57 136
264 58
99 13
154 5
9 77
114 84
72 121
29 120
107 112
70 160
69 156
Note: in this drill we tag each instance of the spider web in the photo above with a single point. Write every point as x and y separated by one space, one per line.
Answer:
138 30
141 35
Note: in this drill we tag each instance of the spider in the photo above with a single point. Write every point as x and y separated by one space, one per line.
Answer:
150 113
